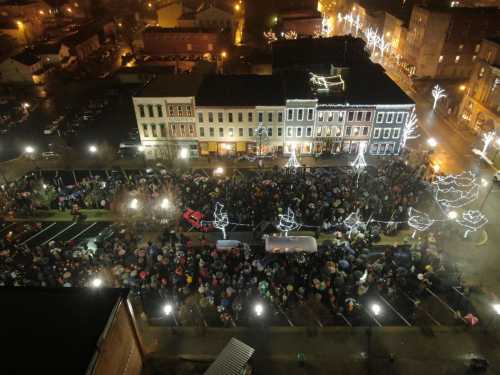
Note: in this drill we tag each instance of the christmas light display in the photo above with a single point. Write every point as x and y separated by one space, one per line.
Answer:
437 93
290 34
487 139
472 220
221 220
455 191
352 222
360 163
287 222
292 162
325 83
418 221
409 128
270 36
261 135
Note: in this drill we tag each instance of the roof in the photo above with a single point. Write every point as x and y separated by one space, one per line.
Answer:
182 85
57 329
26 58
158 29
340 51
79 37
232 360
365 85
147 69
494 39
46 49
219 4
240 91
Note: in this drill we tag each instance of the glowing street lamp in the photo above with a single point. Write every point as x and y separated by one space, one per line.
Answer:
20 24
432 142
165 204
93 149
25 105
237 7
29 150
376 309
218 171
168 309
452 215
496 308
96 282
134 204
258 309
184 153
140 148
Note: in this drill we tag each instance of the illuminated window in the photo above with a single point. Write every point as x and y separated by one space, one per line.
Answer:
457 59
440 60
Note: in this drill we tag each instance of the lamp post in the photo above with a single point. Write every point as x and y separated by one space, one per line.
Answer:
30 152
168 310
96 282
223 55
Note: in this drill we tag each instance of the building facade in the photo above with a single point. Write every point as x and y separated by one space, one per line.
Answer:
480 108
444 42
300 119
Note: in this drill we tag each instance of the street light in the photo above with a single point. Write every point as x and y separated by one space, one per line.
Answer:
184 153
140 148
25 105
218 171
134 204
29 150
237 7
93 149
484 182
96 282
496 308
168 309
432 142
452 215
258 309
376 309
165 204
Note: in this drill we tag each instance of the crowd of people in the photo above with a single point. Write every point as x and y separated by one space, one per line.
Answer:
346 267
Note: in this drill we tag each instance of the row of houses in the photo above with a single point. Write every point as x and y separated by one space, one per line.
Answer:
322 104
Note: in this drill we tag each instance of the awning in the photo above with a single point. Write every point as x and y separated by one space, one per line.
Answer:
232 359
291 244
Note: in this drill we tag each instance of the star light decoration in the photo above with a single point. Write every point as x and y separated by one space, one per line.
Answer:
351 20
221 220
487 138
455 191
323 84
418 221
359 164
437 93
270 36
375 41
293 163
472 220
287 222
410 128
290 34
352 222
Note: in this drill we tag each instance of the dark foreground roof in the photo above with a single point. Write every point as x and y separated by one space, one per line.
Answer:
52 331
240 90
26 58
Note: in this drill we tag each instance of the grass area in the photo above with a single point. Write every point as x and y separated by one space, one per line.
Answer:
56 215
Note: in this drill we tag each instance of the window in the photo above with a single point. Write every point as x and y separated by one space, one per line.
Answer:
299 132
270 132
380 117
231 132
350 116
210 46
481 72
250 132
390 117
387 133
348 131
270 117
153 130
376 133
240 117
474 57
365 130
318 131
341 116
300 114
321 116
230 117
336 131
289 115
355 130
145 130
150 110
179 111
359 115
280 132
141 110
395 133
212 132
327 131
457 59
163 130
399 117
171 110
289 131
476 48
280 116
309 131
260 117
440 60
172 130
368 116
200 117
220 117
240 132
330 116
221 132
159 109
183 130
310 114
210 117
202 132
188 111
250 116
189 47
460 47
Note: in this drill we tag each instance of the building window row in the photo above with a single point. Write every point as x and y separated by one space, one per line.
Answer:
359 116
331 116
389 117
298 114
154 130
239 116
231 132
156 110
181 130
386 133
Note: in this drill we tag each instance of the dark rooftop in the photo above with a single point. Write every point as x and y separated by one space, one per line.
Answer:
46 49
494 39
240 91
26 58
53 331
79 37
159 29
172 85
339 51
8 24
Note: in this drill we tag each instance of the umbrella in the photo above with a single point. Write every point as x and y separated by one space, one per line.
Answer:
343 264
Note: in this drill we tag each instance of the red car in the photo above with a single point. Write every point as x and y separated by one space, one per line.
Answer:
195 218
